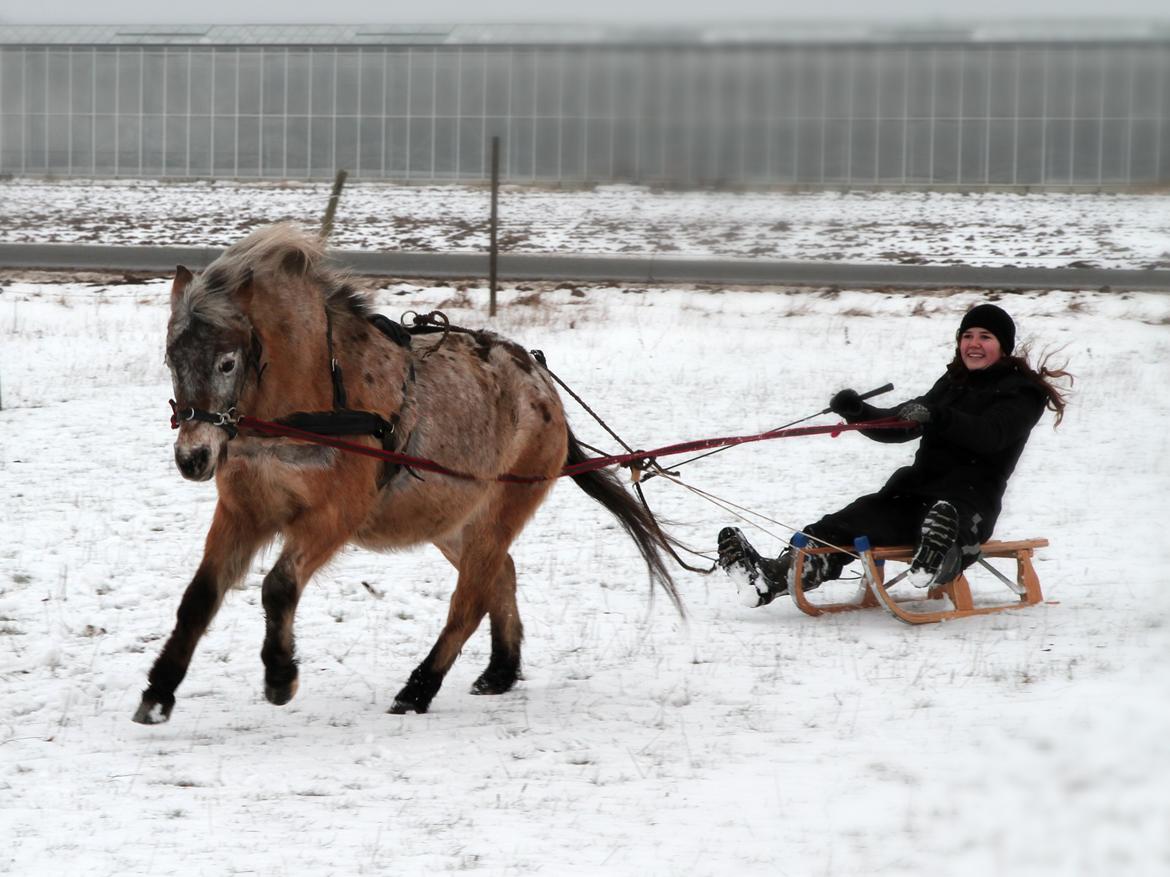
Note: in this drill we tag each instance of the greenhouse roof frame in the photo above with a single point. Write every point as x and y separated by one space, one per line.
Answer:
697 35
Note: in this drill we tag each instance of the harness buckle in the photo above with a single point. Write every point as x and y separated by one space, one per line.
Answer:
225 418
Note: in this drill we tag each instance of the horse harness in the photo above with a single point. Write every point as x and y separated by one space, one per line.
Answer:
341 420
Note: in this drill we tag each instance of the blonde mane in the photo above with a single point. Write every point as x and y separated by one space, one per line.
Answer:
269 254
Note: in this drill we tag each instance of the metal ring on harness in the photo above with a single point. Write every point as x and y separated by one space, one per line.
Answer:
225 420
639 466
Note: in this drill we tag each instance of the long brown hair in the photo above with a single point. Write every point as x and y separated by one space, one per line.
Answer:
1042 375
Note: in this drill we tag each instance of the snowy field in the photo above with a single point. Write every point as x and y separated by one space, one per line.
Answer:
737 742
1045 230
740 742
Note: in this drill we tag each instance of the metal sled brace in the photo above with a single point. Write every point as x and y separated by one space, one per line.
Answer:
874 590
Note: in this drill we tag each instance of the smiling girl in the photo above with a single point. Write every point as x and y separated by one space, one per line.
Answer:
974 423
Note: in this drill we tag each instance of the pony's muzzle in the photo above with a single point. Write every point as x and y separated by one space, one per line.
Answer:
194 462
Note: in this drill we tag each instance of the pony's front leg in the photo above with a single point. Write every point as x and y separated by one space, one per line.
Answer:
280 595
307 547
231 543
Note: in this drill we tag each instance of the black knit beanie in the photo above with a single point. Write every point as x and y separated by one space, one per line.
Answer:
995 320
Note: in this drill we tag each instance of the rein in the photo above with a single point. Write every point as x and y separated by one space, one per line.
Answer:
325 427
636 460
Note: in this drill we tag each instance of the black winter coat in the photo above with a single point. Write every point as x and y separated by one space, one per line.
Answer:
979 424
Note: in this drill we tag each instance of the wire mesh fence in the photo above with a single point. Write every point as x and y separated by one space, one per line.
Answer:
965 115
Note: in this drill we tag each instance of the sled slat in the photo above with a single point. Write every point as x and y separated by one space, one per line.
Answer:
873 591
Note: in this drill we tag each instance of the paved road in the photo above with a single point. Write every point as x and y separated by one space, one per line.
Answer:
640 269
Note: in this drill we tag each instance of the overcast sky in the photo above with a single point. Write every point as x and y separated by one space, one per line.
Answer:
664 12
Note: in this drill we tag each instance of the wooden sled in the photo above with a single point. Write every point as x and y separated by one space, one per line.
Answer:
873 592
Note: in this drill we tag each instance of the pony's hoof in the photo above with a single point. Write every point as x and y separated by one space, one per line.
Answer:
279 695
494 682
418 692
401 707
154 709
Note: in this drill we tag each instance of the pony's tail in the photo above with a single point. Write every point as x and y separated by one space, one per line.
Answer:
605 487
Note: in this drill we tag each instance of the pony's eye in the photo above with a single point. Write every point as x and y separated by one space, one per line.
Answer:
227 366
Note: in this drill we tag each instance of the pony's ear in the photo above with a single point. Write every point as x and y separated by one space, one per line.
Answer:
182 278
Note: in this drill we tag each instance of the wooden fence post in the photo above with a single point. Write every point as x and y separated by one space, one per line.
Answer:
331 209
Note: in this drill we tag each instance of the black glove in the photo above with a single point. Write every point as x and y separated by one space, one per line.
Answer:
847 404
915 411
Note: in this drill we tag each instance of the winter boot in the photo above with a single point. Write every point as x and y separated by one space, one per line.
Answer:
758 580
938 558
817 568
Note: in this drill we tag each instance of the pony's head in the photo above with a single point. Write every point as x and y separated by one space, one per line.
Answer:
212 353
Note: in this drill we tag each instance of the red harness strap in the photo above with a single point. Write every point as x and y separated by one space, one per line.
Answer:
639 459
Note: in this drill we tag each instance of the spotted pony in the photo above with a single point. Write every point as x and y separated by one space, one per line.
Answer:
271 329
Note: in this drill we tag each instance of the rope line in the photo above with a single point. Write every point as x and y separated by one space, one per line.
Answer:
539 355
735 510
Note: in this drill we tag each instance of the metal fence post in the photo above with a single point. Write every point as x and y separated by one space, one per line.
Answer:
493 252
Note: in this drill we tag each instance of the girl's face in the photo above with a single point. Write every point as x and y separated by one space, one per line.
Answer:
979 349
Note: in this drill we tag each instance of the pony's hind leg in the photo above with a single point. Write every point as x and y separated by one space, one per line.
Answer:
503 668
486 586
231 543
507 630
468 606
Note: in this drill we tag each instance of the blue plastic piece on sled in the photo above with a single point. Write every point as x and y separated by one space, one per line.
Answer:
799 540
861 543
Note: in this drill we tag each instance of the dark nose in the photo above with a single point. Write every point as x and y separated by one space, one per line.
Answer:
193 464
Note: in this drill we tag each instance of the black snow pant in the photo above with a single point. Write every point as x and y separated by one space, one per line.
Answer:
890 519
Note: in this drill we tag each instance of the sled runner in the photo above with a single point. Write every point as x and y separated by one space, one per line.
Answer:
873 590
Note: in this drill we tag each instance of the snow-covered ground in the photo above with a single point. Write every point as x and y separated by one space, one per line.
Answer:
1047 230
740 742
